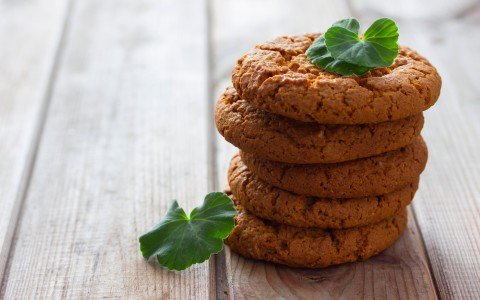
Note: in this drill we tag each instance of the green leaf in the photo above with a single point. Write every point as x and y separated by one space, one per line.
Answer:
319 56
318 53
377 48
180 241
350 24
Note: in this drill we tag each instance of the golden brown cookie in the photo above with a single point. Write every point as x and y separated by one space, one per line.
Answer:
376 175
277 77
311 247
271 203
277 138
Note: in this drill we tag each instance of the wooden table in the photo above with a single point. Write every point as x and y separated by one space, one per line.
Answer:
106 116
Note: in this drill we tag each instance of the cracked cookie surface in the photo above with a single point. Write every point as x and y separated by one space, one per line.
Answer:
255 238
277 77
376 175
278 138
277 205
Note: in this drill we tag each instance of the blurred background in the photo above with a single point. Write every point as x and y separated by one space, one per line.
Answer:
106 115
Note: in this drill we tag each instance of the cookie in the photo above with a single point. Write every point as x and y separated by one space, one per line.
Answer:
277 77
271 203
371 176
277 138
255 238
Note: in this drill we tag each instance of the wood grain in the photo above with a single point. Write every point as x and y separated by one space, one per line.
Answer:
448 206
28 52
402 271
129 128
125 134
448 202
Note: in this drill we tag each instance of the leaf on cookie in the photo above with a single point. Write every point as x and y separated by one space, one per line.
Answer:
341 50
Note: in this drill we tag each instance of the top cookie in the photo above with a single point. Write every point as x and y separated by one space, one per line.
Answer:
277 77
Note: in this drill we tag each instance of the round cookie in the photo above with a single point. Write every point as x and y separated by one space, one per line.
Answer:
277 77
311 247
277 138
271 203
376 175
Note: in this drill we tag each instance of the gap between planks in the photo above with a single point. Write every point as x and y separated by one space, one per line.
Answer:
118 161
218 266
218 263
16 214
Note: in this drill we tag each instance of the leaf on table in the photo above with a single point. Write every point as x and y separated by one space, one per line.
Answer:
180 241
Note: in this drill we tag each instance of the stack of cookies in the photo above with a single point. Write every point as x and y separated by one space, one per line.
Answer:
328 164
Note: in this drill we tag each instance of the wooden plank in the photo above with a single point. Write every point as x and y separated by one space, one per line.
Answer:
401 271
30 34
448 204
449 201
125 134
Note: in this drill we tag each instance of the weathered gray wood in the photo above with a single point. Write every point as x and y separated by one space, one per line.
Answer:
30 34
126 133
399 273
